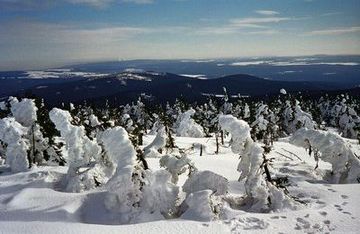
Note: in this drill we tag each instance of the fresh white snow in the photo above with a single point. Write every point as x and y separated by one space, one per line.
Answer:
30 202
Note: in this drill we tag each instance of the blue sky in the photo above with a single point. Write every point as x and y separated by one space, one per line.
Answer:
36 34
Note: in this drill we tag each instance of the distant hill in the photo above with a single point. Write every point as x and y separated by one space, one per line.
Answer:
341 69
127 86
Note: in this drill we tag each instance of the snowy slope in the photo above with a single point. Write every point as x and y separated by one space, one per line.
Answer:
30 202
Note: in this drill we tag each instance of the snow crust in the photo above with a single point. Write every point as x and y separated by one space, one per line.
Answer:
30 202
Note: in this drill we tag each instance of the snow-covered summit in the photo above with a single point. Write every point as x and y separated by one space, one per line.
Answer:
61 74
137 74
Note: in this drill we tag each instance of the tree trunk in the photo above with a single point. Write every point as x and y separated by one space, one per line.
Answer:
140 138
217 143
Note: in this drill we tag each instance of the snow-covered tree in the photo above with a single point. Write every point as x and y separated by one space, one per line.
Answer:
12 134
176 165
81 151
265 124
133 193
227 106
157 145
262 194
25 112
187 127
293 117
341 113
333 149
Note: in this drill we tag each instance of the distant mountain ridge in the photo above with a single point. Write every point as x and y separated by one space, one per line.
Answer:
125 87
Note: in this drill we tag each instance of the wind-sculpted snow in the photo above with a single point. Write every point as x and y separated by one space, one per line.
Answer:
334 150
12 134
189 179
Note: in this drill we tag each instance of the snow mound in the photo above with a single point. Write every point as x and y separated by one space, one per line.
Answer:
202 206
159 194
206 180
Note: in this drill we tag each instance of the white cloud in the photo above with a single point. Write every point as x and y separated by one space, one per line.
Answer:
256 22
103 3
267 12
263 32
95 3
331 14
334 31
34 4
139 1
244 26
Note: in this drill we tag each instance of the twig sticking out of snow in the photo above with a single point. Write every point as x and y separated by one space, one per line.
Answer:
284 155
292 154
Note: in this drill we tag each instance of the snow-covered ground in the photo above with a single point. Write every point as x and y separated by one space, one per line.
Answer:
31 202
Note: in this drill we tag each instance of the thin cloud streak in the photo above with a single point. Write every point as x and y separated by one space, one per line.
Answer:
335 31
35 4
267 12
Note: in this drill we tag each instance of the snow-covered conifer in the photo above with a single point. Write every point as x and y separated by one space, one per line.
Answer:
81 151
261 193
152 150
334 150
13 134
187 127
294 117
176 165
